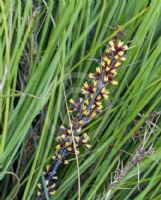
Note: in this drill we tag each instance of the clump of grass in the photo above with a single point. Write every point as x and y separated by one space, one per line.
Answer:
46 50
144 150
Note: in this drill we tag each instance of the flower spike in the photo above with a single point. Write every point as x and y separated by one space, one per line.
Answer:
82 111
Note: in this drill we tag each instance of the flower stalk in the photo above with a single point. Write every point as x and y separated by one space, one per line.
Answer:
82 111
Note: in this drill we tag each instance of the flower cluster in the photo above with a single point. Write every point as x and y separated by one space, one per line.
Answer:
65 141
95 92
49 183
85 109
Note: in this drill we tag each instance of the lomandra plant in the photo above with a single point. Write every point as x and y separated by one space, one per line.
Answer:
86 108
42 44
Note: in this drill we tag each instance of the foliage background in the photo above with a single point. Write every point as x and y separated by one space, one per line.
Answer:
47 49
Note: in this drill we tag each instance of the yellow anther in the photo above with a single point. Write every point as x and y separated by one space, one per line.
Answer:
116 57
105 78
120 53
53 157
107 69
125 47
103 63
52 192
87 113
84 112
39 185
84 107
69 131
59 156
120 44
123 58
91 75
71 101
99 97
94 89
84 141
38 193
113 71
47 182
88 146
87 102
114 82
85 135
69 148
81 122
77 138
62 127
63 136
86 85
94 83
58 147
84 91
105 91
92 106
47 168
66 162
98 103
117 64
99 108
67 144
107 60
111 44
93 114
98 70
107 51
